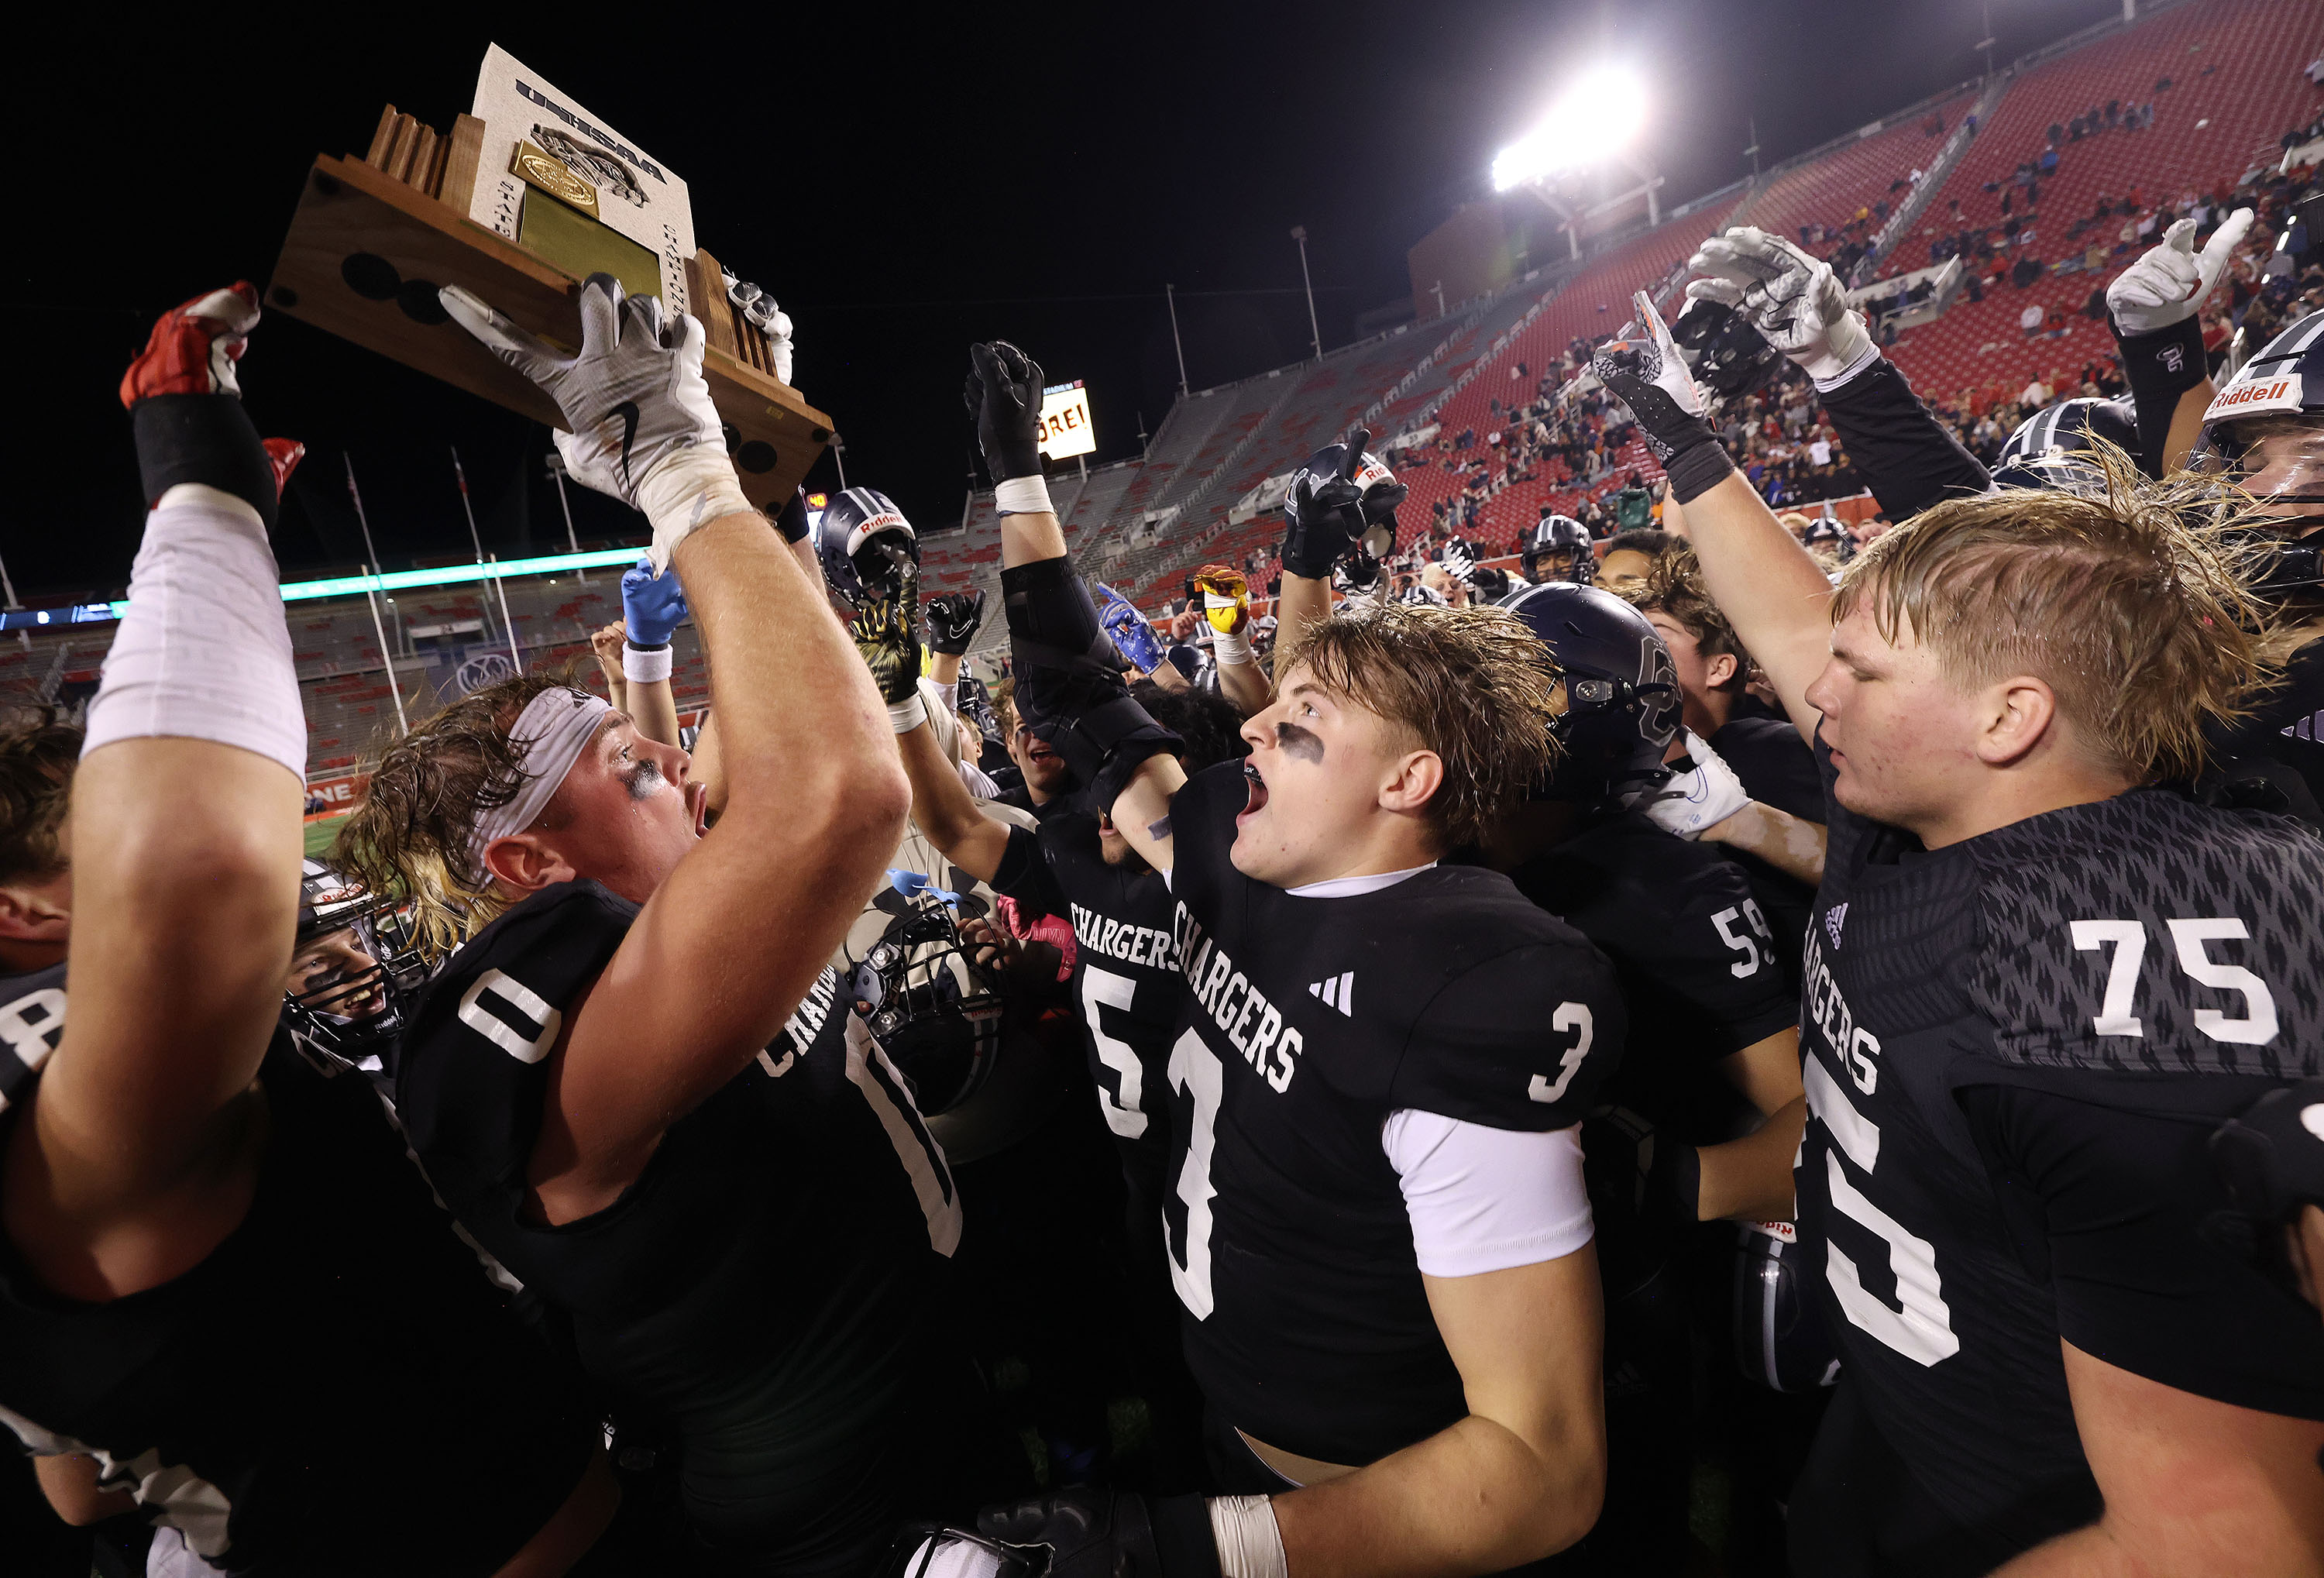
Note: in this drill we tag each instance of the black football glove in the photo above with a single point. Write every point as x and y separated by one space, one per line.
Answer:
1325 522
1069 686
954 618
791 520
886 633
1093 1533
1004 396
1649 376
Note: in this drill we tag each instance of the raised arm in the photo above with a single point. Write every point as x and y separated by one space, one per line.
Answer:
652 607
728 943
141 1150
2153 307
1764 581
1226 605
1069 686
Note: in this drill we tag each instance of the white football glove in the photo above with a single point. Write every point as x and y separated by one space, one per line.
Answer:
1458 562
1790 298
1696 796
642 426
2171 280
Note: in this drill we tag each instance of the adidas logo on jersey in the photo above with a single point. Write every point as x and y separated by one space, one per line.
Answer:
1336 992
1832 918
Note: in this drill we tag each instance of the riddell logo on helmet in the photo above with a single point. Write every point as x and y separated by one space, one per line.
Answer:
2276 395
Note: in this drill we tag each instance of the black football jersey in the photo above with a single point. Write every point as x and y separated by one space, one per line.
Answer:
1305 1023
341 1350
1126 988
31 1023
759 1283
1693 950
2140 954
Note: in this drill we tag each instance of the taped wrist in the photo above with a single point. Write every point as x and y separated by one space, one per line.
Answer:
203 651
1250 1542
908 714
1183 1541
1023 495
2160 367
1232 646
685 490
205 438
1694 470
645 665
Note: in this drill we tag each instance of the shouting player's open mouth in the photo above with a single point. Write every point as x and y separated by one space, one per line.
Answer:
1258 801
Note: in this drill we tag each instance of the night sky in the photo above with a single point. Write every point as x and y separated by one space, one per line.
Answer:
901 182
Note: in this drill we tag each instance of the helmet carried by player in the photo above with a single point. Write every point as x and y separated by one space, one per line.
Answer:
2041 452
1727 354
1622 701
1367 519
859 530
934 1009
355 963
1562 551
2264 431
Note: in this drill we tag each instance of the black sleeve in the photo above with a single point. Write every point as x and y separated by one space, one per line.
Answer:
1911 459
2160 369
1775 764
2115 1201
1024 873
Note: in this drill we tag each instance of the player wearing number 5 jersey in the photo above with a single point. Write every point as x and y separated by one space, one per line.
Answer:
2035 980
1377 1225
636 1082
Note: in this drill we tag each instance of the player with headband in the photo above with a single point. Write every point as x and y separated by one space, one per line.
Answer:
636 1082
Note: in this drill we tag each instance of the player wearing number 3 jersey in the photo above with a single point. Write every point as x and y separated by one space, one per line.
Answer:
2036 981
1377 1221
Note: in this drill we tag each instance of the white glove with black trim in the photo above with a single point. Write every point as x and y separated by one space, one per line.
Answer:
1700 793
1793 299
642 426
2171 279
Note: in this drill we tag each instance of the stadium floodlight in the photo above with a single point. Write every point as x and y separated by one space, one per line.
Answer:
1596 120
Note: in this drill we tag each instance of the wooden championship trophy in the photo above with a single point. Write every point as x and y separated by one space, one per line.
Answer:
374 237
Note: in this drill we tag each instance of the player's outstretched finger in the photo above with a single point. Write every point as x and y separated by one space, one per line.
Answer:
601 315
532 357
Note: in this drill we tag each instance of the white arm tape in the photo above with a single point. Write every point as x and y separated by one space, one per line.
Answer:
1232 646
1023 495
689 489
645 664
203 653
1483 1199
1250 1541
908 714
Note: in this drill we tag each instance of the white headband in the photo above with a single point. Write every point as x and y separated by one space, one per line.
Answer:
549 735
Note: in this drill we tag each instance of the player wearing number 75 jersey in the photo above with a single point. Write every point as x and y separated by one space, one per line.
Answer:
1376 1215
2037 978
635 1080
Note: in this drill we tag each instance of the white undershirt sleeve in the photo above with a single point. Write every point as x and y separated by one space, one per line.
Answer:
1484 1199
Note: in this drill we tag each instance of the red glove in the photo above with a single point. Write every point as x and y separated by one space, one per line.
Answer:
194 347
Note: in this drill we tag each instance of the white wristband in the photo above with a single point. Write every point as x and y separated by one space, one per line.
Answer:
1249 1544
907 715
1023 495
1232 646
645 664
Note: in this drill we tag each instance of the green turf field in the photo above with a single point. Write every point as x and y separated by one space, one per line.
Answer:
321 833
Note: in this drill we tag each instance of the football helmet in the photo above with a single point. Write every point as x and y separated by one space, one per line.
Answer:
2041 452
1622 701
1562 551
934 1009
2264 431
355 966
859 529
1728 354
1369 519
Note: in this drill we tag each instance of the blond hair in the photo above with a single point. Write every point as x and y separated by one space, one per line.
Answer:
410 838
1473 684
2132 599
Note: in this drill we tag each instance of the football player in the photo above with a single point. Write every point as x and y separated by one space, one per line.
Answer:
1559 550
2036 983
1377 1222
635 1078
1708 1096
228 1302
